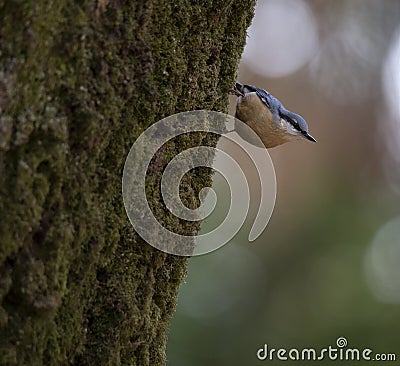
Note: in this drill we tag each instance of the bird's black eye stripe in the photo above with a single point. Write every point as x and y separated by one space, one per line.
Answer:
292 122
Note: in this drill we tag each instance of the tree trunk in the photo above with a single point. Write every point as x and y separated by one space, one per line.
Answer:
79 82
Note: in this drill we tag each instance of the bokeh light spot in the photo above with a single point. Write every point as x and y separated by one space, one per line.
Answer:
391 117
282 38
382 263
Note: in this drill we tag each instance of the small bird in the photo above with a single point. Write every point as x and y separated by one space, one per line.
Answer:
267 117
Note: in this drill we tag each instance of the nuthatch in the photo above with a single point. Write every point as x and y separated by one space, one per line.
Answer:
268 118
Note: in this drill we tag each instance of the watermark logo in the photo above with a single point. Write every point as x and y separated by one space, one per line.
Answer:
143 155
341 342
340 352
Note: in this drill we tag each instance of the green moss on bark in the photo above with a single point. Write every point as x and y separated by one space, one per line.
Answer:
79 81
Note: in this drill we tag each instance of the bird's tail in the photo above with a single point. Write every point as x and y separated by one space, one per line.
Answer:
238 90
240 87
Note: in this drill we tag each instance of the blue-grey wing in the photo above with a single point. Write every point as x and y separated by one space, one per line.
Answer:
268 99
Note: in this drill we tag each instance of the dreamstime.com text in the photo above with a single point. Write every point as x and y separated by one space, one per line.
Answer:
339 353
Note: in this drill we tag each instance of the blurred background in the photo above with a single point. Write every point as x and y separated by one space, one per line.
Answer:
328 263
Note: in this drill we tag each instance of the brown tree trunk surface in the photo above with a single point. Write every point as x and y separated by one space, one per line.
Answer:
79 82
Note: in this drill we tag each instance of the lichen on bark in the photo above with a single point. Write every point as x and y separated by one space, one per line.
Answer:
79 81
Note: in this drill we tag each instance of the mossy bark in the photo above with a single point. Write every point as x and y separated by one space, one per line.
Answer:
79 81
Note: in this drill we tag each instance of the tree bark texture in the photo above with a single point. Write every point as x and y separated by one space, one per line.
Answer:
79 82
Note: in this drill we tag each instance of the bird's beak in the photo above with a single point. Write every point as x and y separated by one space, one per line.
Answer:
309 137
